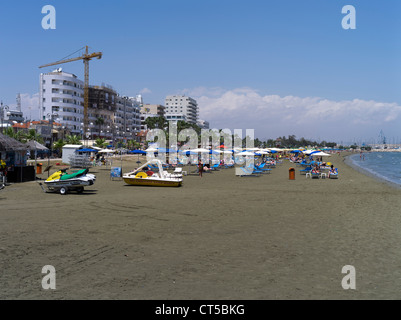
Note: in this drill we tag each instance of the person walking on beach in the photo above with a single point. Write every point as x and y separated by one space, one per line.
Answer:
200 168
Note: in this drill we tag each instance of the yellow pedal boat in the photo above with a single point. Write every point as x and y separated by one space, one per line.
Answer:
158 179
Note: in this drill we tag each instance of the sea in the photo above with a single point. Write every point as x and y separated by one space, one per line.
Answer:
384 165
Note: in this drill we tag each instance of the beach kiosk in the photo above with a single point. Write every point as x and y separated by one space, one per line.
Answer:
14 154
69 151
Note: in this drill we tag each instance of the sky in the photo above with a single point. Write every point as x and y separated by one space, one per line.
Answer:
278 67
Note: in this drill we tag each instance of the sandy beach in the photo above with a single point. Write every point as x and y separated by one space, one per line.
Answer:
216 237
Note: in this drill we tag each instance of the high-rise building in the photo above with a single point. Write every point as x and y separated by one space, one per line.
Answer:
127 118
120 114
101 112
110 116
181 108
151 110
61 98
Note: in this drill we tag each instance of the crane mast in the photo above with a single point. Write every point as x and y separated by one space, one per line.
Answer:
86 57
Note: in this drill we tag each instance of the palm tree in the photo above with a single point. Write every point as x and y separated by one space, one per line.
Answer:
181 125
9 132
99 121
73 139
58 145
100 142
20 136
33 135
156 123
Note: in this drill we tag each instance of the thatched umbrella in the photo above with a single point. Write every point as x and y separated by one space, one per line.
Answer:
34 145
10 144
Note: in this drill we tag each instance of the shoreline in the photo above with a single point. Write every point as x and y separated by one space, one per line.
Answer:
351 164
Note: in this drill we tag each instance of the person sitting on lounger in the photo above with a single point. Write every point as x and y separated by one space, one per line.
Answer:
316 169
333 171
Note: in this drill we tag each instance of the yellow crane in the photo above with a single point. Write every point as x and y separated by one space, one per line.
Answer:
86 57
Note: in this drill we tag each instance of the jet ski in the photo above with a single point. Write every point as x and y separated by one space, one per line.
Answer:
61 181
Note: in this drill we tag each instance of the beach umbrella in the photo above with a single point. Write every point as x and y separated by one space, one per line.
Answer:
34 145
86 150
164 150
320 154
200 150
106 151
151 150
262 152
138 152
246 153
188 152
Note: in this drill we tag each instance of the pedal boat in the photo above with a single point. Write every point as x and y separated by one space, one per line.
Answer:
162 178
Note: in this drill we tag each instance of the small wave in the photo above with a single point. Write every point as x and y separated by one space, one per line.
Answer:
382 166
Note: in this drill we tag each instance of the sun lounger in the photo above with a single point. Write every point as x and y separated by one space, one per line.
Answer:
262 168
306 170
252 168
215 167
333 175
244 172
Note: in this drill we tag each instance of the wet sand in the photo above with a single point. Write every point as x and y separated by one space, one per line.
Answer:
217 237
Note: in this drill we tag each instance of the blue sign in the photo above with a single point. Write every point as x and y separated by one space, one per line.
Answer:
115 172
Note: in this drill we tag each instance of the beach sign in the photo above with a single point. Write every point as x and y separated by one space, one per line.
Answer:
115 172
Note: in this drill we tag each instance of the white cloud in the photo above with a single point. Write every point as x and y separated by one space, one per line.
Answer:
29 106
310 117
145 91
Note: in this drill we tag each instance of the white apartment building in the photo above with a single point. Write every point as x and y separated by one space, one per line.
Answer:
61 96
14 116
180 108
136 118
127 118
203 124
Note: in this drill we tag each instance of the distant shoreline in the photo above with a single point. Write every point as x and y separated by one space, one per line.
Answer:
350 163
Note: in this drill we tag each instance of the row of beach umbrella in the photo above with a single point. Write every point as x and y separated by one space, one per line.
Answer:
196 151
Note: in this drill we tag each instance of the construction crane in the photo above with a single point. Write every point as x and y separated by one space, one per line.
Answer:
86 57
